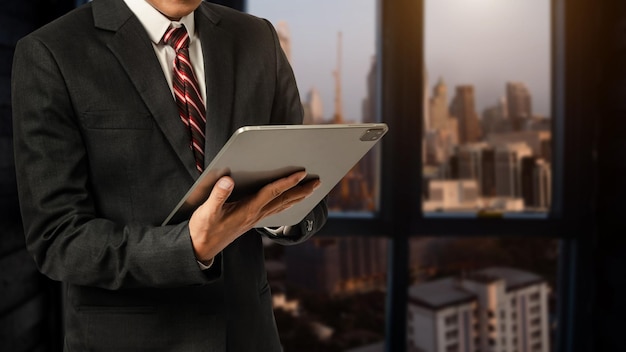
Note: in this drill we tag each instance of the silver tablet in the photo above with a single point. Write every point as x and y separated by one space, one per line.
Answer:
257 155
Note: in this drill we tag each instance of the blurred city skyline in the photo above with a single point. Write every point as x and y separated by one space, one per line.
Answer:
455 46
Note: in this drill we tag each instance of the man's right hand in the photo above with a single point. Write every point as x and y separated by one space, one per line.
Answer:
215 224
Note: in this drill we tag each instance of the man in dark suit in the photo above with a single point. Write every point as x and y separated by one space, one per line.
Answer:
102 157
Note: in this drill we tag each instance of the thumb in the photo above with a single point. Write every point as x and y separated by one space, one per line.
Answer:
221 191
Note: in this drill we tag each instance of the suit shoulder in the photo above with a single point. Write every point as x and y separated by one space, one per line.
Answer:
235 20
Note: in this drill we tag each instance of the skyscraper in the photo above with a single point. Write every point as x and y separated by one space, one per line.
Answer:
536 182
508 168
439 113
519 104
440 133
495 118
464 110
313 107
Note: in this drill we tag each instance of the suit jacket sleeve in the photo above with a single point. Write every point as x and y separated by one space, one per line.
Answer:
287 109
64 233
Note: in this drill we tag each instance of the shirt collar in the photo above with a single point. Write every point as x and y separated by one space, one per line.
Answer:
155 22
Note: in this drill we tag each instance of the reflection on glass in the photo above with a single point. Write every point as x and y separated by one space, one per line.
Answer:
487 294
335 68
487 130
329 292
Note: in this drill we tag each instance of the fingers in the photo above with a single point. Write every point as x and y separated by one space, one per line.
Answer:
220 192
275 189
291 197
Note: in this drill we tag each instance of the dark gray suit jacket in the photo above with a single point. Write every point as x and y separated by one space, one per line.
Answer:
102 158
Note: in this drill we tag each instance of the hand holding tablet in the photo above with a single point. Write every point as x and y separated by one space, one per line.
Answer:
256 156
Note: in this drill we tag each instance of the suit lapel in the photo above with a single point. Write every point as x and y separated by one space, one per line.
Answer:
132 47
217 50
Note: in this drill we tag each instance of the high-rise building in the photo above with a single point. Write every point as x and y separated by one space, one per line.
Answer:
433 149
542 184
534 139
452 195
495 118
464 110
519 104
469 159
438 107
337 265
536 183
488 176
440 134
492 310
284 37
475 161
313 107
508 167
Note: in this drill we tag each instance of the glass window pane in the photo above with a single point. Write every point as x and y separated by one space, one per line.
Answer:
331 46
487 127
486 293
328 293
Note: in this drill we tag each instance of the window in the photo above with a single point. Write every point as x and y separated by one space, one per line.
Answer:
324 296
335 65
534 297
487 163
535 322
514 162
331 292
465 268
487 127
452 334
452 348
450 320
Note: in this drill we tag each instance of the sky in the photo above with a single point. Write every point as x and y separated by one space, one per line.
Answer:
487 43
314 27
481 42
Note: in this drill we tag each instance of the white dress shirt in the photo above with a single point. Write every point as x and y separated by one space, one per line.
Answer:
156 24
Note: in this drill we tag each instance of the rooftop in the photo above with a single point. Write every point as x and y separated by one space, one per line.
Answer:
513 278
440 293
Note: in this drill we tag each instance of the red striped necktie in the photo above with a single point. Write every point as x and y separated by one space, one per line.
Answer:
187 91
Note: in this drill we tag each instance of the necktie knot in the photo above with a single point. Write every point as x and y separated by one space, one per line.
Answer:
176 37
